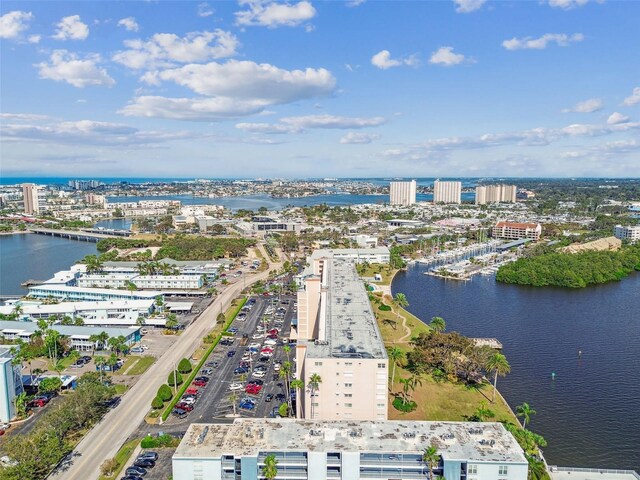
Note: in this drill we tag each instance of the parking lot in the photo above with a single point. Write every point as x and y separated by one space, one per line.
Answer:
215 401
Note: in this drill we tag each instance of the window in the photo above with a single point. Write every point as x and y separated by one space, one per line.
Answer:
348 385
381 405
382 365
348 395
318 364
348 405
502 470
348 374
348 364
472 469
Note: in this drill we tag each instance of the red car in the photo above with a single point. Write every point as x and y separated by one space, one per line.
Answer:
273 331
192 390
266 350
199 383
38 402
184 406
253 389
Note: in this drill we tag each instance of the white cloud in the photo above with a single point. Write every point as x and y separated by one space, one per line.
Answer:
569 4
616 118
269 128
12 24
633 99
71 28
67 67
231 89
561 39
358 138
384 61
34 38
354 3
466 6
332 121
129 23
87 132
205 10
445 56
586 106
167 49
273 14
28 117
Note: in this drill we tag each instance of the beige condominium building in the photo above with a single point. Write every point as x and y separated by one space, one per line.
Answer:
402 193
516 230
447 192
495 194
30 198
339 340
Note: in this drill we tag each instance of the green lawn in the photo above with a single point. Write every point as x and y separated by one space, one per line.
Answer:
122 456
391 328
140 366
128 363
120 388
385 271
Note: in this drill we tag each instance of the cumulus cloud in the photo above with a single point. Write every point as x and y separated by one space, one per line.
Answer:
168 49
561 39
633 99
64 66
34 38
71 28
27 117
569 4
12 24
445 56
273 14
87 132
301 123
466 6
358 138
205 10
616 118
129 23
384 61
586 106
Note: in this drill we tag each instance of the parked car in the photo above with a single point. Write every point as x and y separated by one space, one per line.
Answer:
144 463
231 353
259 373
151 455
235 386
188 399
253 389
269 397
271 341
137 350
139 471
247 404
281 397
256 382
38 402
192 391
206 371
184 406
240 371
178 412
211 364
131 477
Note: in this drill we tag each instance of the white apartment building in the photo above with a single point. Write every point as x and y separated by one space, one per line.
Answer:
495 194
630 233
145 282
402 193
516 231
10 384
339 340
79 294
357 255
447 192
109 313
30 198
347 450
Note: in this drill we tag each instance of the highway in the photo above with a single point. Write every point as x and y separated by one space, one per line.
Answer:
106 438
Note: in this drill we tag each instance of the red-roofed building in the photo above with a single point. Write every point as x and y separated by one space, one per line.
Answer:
516 231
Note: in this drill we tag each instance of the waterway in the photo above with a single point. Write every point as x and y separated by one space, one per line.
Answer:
36 257
254 202
589 413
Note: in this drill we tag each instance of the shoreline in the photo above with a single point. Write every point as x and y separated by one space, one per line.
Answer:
14 232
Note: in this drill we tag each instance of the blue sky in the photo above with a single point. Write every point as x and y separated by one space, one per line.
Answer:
311 89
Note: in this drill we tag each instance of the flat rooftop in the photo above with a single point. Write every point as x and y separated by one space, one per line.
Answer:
477 442
66 330
569 473
351 328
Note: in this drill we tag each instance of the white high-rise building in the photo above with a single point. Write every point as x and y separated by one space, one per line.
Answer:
402 193
30 196
495 194
627 232
447 192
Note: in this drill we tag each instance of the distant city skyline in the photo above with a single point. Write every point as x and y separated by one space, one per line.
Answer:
308 89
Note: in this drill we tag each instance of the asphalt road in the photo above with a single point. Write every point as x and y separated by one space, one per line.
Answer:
105 439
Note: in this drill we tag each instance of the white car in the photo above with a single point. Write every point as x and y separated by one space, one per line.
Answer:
257 335
144 347
270 341
188 400
259 374
276 367
236 386
254 345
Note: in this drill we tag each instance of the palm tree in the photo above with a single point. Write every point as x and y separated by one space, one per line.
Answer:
525 411
16 311
314 384
74 355
395 355
406 385
129 285
497 364
297 386
57 366
171 322
270 468
414 381
93 263
285 374
483 413
100 362
438 324
233 398
431 457
400 301
102 339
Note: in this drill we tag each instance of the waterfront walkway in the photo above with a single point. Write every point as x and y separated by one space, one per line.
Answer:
572 473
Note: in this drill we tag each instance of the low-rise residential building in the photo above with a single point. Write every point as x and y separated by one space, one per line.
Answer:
107 313
79 337
10 384
630 233
154 282
347 450
357 255
79 294
338 340
516 230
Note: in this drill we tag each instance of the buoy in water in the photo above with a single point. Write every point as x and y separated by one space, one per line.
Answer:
553 375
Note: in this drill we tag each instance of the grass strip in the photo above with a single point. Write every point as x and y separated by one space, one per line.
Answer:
141 365
122 457
195 371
